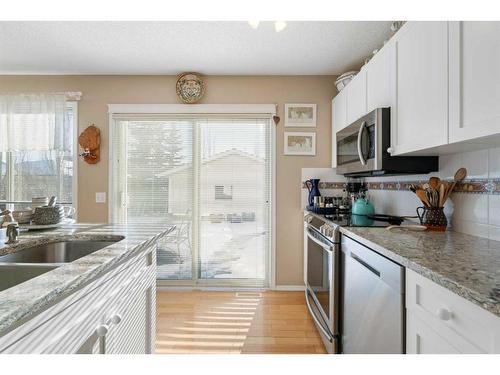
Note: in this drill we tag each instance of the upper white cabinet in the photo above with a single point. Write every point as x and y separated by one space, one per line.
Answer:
380 78
339 120
421 110
356 97
339 116
442 83
474 80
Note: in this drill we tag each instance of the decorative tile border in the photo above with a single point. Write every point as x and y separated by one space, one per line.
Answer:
473 186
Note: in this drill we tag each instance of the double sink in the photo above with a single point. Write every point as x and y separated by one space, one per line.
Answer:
25 264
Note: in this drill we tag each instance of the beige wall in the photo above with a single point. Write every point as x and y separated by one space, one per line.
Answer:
98 91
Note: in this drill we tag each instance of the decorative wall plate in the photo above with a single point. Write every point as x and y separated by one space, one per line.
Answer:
190 88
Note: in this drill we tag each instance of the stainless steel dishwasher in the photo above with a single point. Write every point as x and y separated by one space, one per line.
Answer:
372 301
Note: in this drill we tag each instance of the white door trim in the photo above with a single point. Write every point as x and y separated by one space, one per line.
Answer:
267 109
192 108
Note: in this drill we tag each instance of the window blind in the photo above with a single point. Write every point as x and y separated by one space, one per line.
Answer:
210 176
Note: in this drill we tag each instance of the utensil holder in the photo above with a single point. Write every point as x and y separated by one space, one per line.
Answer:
433 218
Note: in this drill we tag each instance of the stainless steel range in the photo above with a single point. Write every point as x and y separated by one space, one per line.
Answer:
322 267
354 294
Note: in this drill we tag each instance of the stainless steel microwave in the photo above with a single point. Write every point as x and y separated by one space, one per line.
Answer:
362 149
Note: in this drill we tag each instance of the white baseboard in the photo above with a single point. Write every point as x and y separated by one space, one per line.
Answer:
179 288
290 288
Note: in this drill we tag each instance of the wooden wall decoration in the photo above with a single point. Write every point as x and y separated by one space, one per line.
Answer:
90 141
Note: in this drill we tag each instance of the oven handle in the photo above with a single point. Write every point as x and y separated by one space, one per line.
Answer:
318 324
360 135
322 244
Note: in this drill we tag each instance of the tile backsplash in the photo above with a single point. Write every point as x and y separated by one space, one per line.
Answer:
476 212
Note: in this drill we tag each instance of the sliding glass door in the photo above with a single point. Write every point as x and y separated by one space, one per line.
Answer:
210 176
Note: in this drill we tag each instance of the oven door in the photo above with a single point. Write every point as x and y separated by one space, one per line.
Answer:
357 145
322 285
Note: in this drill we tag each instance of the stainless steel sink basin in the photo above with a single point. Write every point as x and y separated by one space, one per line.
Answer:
55 252
12 275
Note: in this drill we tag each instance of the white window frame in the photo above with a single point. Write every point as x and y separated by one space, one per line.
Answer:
170 109
73 104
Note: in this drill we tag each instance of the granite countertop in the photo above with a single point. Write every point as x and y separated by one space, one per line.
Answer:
25 300
466 265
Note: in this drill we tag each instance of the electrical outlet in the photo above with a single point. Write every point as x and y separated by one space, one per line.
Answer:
100 197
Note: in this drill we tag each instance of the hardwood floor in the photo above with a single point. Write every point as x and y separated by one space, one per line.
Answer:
234 322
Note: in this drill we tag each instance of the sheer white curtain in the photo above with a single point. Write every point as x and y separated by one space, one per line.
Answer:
34 122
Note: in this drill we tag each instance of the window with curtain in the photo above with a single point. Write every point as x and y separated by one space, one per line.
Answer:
36 148
210 175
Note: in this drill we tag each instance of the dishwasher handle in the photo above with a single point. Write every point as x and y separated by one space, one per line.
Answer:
365 264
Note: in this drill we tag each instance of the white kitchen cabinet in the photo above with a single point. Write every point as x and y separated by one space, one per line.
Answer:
356 97
474 80
421 339
439 321
113 314
339 120
421 108
381 78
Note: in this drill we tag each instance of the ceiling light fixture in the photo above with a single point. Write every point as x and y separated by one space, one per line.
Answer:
279 26
254 24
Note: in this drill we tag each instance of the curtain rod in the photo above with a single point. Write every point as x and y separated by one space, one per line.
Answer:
70 95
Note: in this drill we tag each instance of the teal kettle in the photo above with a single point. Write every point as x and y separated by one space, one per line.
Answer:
361 211
362 207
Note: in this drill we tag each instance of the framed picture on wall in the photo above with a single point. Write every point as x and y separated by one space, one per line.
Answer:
300 115
300 143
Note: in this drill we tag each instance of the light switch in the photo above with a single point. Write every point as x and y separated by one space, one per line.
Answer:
100 197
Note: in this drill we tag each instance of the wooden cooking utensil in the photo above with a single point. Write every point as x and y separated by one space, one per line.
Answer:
442 192
434 183
460 174
423 197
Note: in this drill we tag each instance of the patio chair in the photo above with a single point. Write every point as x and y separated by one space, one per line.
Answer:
174 241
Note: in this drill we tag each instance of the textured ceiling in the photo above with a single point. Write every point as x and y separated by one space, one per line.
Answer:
212 48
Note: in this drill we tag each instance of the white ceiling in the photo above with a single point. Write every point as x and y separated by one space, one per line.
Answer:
211 48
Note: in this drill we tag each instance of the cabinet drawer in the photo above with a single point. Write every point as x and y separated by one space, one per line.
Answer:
422 339
470 328
69 326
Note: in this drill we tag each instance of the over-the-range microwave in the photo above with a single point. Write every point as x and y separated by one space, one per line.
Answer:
362 149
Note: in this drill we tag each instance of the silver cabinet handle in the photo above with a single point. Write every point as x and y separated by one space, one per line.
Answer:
116 319
101 332
360 135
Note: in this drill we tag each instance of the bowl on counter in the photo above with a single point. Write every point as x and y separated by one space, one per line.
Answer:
47 215
23 216
39 202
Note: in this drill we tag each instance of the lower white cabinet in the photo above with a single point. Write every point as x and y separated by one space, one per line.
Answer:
421 339
439 321
114 314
